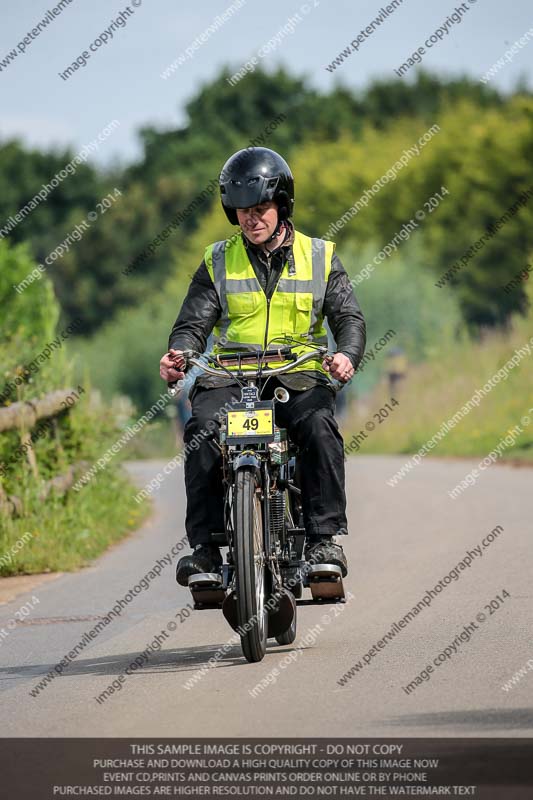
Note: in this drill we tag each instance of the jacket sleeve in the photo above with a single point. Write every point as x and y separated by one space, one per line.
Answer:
198 315
343 313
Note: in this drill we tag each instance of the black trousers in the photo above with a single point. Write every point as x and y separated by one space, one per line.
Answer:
309 419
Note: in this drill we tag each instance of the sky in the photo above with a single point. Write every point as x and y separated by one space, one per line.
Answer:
122 77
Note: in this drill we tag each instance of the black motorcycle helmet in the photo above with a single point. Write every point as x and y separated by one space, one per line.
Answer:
253 175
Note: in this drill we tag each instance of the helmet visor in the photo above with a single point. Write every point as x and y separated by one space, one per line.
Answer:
247 192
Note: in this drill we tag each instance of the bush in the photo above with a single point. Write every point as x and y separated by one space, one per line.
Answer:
78 434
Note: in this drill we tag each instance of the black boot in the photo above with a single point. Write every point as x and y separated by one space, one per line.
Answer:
325 551
204 558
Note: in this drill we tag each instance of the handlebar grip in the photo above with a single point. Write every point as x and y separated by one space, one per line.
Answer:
171 385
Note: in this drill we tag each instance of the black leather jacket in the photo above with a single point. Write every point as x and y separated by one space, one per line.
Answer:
201 309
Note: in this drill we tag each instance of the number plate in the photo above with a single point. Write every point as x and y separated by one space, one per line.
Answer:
258 422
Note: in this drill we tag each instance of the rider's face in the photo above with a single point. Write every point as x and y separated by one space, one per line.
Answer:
258 223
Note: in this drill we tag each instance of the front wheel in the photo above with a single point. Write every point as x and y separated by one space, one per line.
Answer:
250 567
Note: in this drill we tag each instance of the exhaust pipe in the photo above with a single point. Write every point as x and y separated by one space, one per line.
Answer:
281 394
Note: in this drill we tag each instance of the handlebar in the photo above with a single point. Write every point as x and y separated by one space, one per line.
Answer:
260 357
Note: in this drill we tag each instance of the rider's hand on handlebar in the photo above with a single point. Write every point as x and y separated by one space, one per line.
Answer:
172 365
339 366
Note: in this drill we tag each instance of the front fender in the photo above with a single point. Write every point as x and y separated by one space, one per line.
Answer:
247 459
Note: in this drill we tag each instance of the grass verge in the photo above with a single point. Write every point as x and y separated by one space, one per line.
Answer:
435 390
69 532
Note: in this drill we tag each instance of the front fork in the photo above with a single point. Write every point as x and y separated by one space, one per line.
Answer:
262 466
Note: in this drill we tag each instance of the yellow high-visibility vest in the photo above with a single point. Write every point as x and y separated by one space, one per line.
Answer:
249 321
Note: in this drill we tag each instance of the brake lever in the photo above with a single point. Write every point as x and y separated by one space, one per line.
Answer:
171 385
329 359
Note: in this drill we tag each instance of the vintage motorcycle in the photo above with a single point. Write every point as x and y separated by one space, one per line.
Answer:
265 571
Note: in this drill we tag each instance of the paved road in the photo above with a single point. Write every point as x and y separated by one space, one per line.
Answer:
403 541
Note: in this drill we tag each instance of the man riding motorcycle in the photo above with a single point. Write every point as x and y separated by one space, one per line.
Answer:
253 290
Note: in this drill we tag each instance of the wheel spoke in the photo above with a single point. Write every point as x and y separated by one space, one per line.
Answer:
259 561
250 565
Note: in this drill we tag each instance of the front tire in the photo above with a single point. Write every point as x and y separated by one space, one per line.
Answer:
250 568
